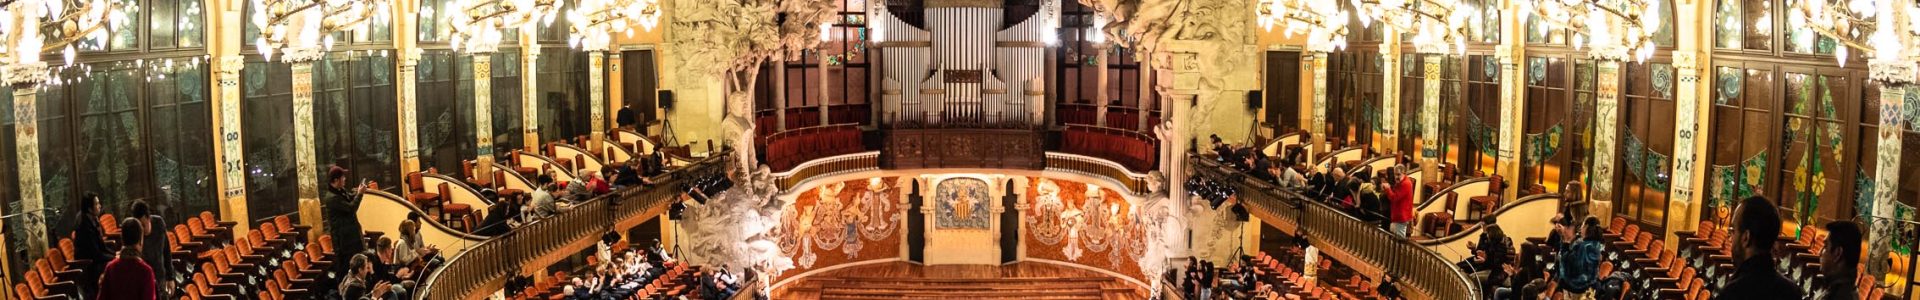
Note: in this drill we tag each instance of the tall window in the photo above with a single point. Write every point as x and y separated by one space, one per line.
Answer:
834 75
1643 161
1742 136
507 106
1475 123
354 116
1549 114
445 100
562 94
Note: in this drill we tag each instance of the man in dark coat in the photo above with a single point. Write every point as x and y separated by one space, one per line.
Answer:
1757 224
343 217
1841 261
89 243
155 250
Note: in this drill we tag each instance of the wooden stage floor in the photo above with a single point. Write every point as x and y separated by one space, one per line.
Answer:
901 280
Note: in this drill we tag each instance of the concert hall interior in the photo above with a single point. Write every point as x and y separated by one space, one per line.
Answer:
959 149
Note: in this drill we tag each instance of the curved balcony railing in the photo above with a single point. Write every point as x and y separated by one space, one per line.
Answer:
1423 271
831 165
1097 167
1135 150
485 266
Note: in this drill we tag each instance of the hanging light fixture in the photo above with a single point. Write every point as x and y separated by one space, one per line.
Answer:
310 24
1610 29
1438 26
1883 29
1323 22
478 26
32 28
595 21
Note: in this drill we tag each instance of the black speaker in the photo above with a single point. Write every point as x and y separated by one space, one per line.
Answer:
1240 213
676 211
666 99
1254 101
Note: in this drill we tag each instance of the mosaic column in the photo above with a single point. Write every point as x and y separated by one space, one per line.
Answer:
1887 171
409 112
483 117
232 171
26 79
1507 164
596 94
1388 141
305 161
1605 134
529 99
1317 63
1689 175
1430 118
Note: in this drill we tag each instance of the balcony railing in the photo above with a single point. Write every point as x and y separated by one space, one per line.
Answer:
1097 167
1423 271
485 266
832 165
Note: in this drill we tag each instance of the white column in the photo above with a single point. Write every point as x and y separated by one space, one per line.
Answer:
1430 118
26 130
1389 139
406 80
1886 179
596 95
529 98
1318 125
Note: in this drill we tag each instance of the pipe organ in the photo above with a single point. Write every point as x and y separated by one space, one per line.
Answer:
964 64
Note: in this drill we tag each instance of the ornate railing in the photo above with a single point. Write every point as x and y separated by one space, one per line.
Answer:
1423 271
485 266
1096 167
832 165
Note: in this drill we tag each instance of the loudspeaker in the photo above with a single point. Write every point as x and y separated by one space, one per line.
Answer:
676 211
1254 100
666 99
1240 213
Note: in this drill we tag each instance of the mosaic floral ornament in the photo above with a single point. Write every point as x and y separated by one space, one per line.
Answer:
1541 146
1913 109
1536 70
1738 181
962 203
1481 134
1730 86
1663 79
790 235
875 213
1097 224
1045 221
1645 164
1863 194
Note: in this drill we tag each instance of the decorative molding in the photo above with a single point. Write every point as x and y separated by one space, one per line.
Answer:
1020 44
906 44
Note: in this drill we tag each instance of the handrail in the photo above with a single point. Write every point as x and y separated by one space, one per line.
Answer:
1326 160
1426 272
1437 194
831 165
500 167
1494 216
390 198
484 267
598 162
549 163
1097 167
461 185
650 143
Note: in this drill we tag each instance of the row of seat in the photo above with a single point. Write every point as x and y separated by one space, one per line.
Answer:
1130 149
679 280
206 260
787 149
1279 274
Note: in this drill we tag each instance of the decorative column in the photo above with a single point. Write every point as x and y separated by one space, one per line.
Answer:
1021 204
1100 93
780 93
596 95
25 79
1605 135
407 81
483 116
529 96
1317 64
1430 118
1691 106
231 176
1887 167
1509 53
305 161
822 87
1388 141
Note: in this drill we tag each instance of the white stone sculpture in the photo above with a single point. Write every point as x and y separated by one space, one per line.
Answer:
737 227
731 39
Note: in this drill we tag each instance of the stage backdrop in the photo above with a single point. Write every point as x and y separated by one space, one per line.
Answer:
845 222
1077 223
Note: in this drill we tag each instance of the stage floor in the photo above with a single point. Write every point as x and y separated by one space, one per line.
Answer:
901 280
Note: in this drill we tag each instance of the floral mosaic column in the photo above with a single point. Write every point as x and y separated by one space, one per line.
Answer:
409 115
303 148
529 98
596 94
483 117
1388 141
1887 172
1507 163
1686 201
26 79
1607 114
1318 64
1430 118
233 185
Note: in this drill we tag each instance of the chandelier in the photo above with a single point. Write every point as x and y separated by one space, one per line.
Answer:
1857 23
310 24
594 21
1324 23
34 27
1438 26
480 24
1612 29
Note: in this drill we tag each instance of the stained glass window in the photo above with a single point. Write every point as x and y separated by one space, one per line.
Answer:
445 107
267 137
354 116
507 104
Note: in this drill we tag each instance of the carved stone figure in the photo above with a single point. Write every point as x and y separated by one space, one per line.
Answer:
739 227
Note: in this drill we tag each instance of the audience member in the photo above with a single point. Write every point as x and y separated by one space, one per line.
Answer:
1401 195
413 249
1580 262
1757 224
544 204
343 216
496 220
153 250
130 276
1840 262
90 243
358 285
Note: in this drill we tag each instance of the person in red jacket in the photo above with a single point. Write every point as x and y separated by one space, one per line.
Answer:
128 277
1401 196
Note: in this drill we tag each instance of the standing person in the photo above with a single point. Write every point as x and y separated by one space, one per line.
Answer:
1580 263
1401 196
90 243
1841 262
154 251
625 117
343 216
1757 224
131 277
